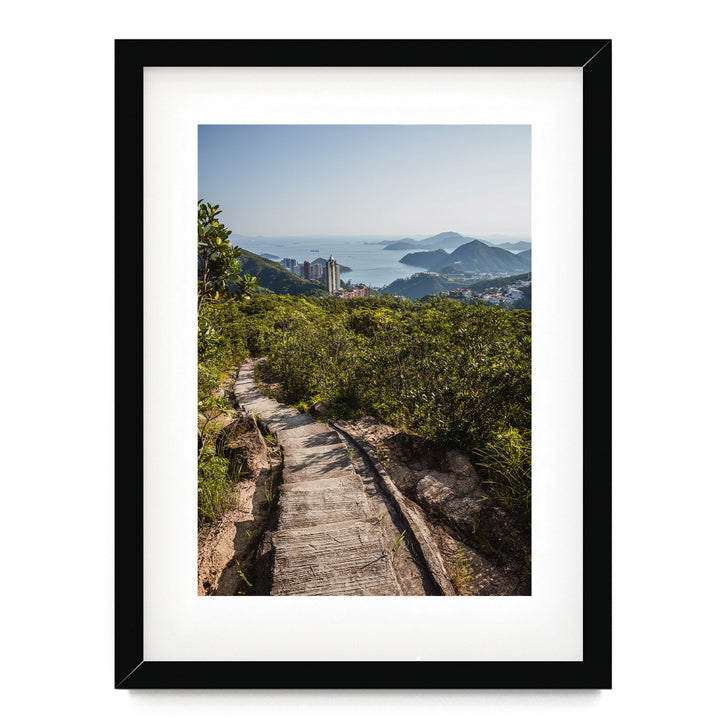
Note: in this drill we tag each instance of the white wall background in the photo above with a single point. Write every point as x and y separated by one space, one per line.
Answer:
57 366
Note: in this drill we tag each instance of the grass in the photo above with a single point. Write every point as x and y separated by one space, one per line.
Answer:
399 540
214 487
270 494
241 571
270 439
507 462
462 573
381 454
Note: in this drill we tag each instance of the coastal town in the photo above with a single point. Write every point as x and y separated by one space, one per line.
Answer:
508 294
327 273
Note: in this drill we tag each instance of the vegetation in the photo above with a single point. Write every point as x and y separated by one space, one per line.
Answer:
462 572
221 289
482 285
479 257
274 277
457 373
426 258
218 268
419 285
422 284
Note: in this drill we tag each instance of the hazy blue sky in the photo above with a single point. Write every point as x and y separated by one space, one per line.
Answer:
367 179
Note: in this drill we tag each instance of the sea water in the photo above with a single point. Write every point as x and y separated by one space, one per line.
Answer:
371 264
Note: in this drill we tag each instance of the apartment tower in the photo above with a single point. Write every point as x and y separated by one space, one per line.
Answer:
332 275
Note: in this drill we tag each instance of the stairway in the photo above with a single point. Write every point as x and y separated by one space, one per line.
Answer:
326 542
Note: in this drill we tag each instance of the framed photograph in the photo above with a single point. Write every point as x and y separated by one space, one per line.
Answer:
331 257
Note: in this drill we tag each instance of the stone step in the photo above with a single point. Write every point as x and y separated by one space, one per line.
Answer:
299 466
327 540
318 502
346 558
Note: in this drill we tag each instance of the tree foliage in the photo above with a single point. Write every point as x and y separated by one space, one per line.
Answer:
218 268
220 288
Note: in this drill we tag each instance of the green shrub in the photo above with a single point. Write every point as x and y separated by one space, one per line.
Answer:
214 487
457 373
507 460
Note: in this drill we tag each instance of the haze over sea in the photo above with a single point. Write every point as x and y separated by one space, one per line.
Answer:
371 264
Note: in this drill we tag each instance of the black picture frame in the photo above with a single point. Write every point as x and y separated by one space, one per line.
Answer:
132 671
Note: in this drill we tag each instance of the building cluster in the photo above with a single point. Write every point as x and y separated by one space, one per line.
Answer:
358 291
309 271
330 272
493 296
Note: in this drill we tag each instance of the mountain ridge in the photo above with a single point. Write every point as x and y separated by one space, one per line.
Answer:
473 256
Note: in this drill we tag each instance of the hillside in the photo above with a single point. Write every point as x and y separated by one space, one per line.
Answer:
474 256
482 285
428 259
516 247
446 240
500 240
401 245
274 277
419 285
432 399
322 261
527 254
478 257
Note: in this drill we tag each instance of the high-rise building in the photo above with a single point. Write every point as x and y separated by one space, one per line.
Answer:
290 264
332 275
306 270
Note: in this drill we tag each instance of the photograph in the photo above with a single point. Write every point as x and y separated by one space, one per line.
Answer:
364 360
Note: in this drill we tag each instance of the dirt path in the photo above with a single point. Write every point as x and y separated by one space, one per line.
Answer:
335 533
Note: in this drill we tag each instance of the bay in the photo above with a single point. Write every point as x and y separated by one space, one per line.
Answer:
371 264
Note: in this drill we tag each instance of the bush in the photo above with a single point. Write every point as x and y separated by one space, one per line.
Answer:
214 486
457 373
507 460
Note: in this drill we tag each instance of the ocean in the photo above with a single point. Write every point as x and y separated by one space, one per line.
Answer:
371 264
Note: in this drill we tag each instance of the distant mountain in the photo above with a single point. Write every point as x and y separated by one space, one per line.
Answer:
498 239
452 240
444 240
527 254
402 245
274 277
515 247
474 256
419 285
428 259
268 256
343 268
478 257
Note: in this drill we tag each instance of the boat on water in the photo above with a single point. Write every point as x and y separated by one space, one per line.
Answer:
314 251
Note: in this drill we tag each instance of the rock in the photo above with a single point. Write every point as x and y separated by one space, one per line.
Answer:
459 464
451 495
245 447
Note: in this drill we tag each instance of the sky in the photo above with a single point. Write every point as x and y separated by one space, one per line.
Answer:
404 180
